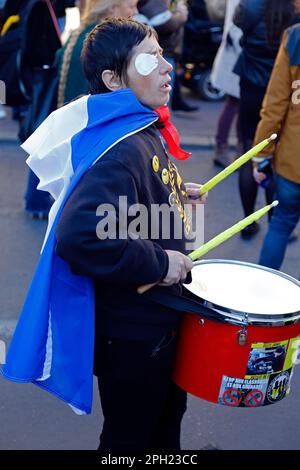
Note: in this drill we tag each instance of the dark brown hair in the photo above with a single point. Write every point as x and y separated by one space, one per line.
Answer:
109 47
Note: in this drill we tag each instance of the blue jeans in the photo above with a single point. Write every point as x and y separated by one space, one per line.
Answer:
284 220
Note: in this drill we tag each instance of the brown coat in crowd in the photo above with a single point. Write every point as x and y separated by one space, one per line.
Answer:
281 108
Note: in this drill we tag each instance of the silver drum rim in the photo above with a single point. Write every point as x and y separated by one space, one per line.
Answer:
238 317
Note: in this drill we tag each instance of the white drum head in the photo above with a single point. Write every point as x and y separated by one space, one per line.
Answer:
245 287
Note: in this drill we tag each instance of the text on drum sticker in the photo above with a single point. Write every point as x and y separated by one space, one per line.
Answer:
146 63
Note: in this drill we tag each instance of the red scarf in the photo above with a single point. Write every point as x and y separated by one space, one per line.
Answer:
170 133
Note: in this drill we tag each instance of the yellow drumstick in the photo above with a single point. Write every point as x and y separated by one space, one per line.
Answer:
222 237
236 164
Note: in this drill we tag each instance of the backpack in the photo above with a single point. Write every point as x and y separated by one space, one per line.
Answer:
16 49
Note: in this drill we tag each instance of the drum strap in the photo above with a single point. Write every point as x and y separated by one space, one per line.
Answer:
185 303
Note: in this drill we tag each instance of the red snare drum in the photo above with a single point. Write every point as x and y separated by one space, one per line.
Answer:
245 356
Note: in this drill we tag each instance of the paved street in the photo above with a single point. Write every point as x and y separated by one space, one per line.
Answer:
30 418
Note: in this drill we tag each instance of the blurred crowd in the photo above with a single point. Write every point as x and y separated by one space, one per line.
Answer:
244 52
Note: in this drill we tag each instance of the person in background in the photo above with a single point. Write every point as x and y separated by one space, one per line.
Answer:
59 7
2 4
262 23
216 9
10 7
81 5
72 81
168 19
13 8
198 9
224 79
2 109
178 103
281 113
42 41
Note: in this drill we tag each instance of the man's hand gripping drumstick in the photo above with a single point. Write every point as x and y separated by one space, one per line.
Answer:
179 267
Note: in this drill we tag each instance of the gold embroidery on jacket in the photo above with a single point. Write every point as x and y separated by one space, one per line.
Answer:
179 186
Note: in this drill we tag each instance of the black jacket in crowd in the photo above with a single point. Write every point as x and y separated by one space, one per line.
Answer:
13 7
257 58
60 6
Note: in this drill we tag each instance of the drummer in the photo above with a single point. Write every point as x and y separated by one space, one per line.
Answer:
135 339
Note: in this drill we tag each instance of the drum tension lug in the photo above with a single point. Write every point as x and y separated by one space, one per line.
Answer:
201 321
243 334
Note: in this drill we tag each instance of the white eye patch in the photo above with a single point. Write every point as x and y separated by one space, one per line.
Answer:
146 63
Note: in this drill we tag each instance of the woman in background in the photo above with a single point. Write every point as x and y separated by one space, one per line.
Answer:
262 23
224 79
281 113
72 83
2 110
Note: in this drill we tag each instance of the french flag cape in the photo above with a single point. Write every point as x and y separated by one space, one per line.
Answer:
53 343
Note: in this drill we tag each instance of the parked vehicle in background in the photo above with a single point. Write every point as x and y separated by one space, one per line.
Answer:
202 40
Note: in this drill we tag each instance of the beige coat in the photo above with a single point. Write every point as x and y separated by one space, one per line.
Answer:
222 76
281 108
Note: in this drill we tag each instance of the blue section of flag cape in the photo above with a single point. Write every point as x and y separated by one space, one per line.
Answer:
54 340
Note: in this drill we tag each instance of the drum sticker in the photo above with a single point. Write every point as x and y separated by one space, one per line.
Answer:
267 358
238 392
278 387
293 354
268 375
